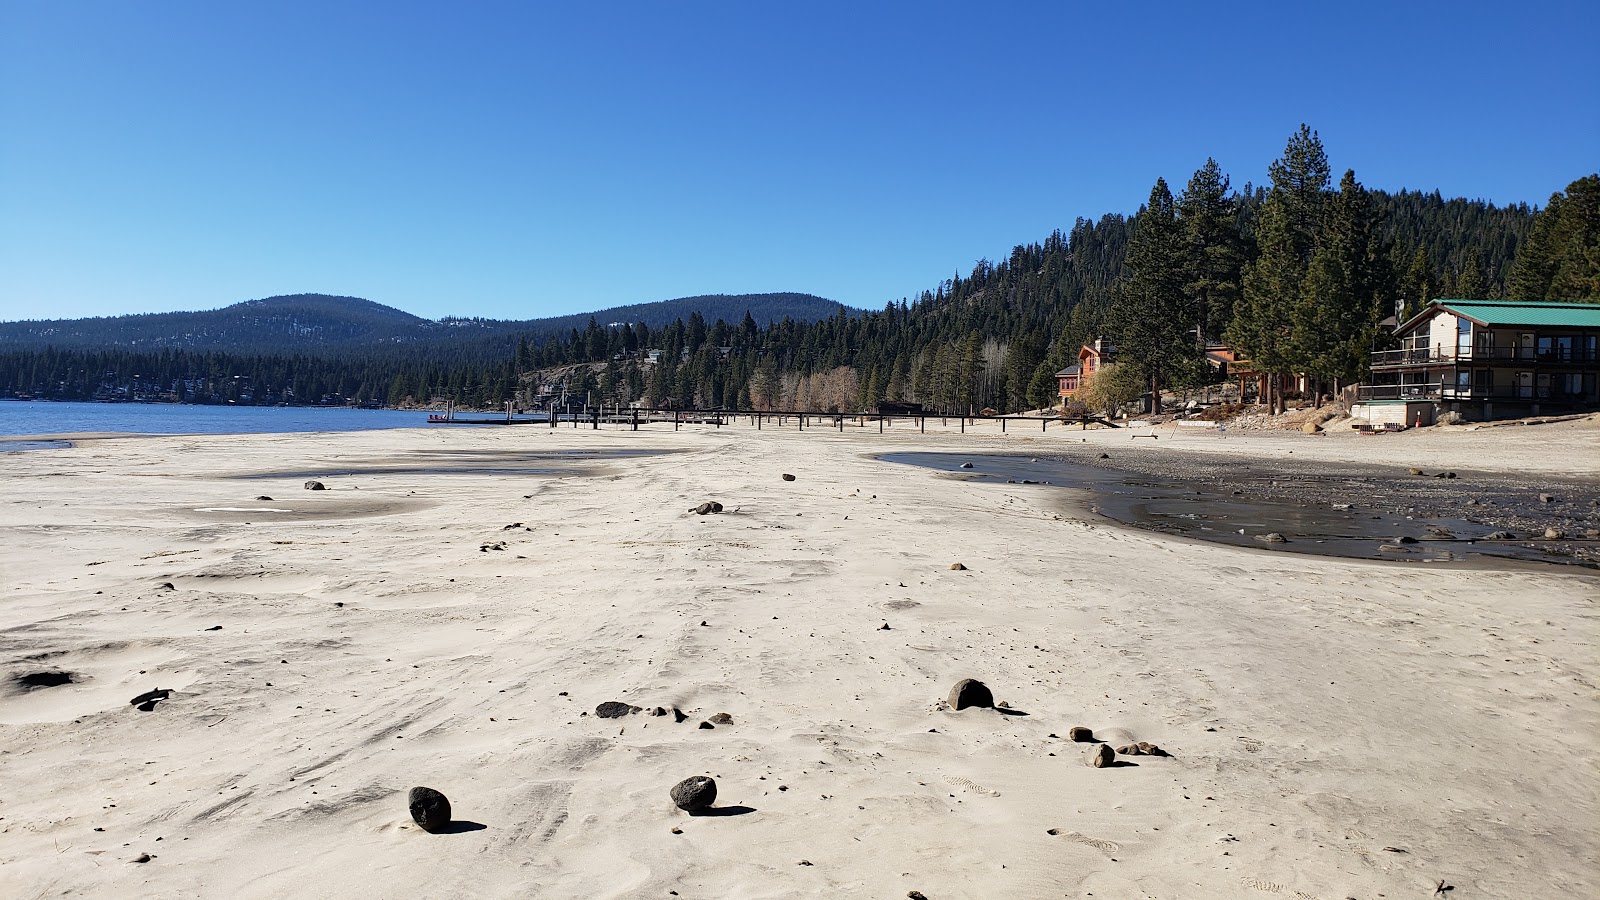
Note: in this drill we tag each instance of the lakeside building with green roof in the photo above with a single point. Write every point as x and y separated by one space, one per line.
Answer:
1489 358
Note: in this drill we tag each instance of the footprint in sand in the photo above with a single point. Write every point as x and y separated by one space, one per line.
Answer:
1272 887
1103 846
966 785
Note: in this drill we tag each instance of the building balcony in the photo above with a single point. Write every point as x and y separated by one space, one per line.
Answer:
1425 357
1467 393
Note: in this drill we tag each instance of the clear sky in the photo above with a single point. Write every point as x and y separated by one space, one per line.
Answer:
524 159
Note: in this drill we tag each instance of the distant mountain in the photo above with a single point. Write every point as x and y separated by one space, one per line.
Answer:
319 323
731 308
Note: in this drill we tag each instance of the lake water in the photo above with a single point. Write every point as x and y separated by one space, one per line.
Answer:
19 417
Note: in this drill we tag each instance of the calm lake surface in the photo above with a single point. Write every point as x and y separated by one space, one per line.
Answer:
19 417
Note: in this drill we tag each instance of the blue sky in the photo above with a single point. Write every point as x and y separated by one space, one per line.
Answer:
517 160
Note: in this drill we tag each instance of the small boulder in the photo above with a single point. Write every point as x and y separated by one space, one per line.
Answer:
679 715
970 692
658 711
722 718
1129 750
429 809
1272 537
787 477
703 509
694 794
613 709
1149 749
1311 428
707 725
265 498
1553 534
315 486
1405 539
1102 756
1414 470
716 507
1080 734
1546 498
957 567
1500 536
1105 456
966 465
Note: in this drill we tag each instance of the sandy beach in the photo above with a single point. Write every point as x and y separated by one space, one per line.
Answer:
452 609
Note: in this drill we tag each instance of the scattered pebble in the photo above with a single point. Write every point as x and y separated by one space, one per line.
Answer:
1102 756
429 809
970 692
695 793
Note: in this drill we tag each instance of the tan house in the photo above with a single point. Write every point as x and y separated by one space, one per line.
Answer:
1488 357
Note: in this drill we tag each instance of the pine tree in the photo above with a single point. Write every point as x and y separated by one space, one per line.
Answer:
1560 260
1154 318
1348 284
1208 219
1287 230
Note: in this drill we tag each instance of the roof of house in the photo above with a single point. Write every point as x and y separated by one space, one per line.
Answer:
1517 312
1070 370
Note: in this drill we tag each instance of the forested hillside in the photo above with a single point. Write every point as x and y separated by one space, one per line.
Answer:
1296 274
312 324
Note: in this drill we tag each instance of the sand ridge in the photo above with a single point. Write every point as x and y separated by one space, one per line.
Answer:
1318 711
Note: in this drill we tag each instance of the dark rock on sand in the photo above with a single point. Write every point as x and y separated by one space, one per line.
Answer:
1546 498
694 794
658 711
1414 471
966 465
148 700
612 709
215 628
1272 537
429 809
787 477
707 725
1405 539
703 509
722 719
1129 750
1149 749
264 497
1102 756
957 567
1500 536
970 692
315 486
1080 734
916 895
679 715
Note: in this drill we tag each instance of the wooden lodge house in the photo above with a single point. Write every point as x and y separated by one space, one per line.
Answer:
1090 358
1484 358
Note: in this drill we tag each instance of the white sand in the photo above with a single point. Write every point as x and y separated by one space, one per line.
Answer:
1319 711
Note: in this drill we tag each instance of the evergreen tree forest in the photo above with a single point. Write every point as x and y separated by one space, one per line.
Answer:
1297 274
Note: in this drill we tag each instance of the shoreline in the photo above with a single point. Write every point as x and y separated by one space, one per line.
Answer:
324 662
